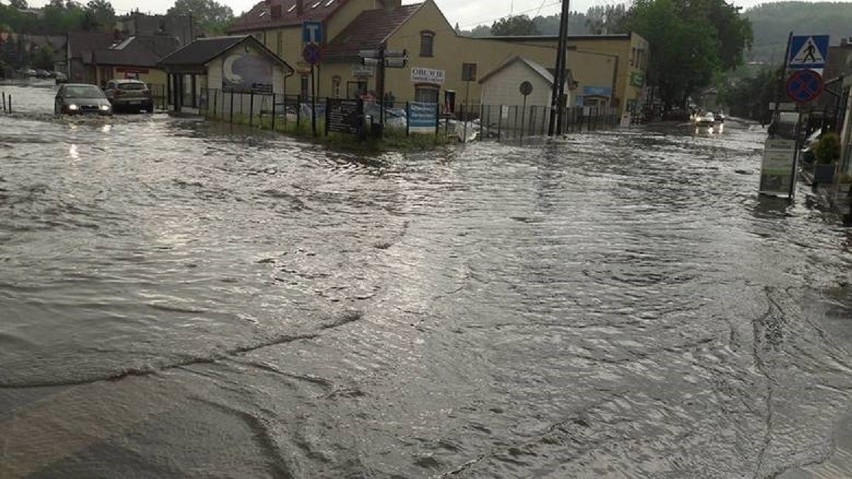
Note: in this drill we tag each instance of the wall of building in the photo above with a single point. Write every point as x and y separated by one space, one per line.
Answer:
597 62
151 76
504 87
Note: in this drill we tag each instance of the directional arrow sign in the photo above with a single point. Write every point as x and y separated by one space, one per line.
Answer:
808 52
804 86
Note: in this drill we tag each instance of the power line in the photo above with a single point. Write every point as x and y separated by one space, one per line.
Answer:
492 19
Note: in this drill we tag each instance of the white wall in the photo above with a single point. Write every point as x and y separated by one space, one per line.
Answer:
504 87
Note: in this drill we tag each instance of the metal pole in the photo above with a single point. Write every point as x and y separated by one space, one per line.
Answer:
232 107
381 87
251 108
313 104
273 111
559 74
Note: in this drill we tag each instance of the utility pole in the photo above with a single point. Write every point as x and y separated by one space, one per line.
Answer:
556 100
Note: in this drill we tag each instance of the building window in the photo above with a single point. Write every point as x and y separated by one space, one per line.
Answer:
426 94
304 87
427 43
335 86
354 89
468 71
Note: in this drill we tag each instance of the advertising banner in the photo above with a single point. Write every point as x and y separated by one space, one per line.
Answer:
247 72
422 117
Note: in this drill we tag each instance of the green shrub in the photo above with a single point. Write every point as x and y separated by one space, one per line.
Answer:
828 149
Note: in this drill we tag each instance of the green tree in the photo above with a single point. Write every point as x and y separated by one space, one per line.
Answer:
687 49
98 15
19 4
209 15
750 97
606 19
514 26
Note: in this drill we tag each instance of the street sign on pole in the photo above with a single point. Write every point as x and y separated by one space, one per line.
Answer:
804 86
312 32
808 52
312 53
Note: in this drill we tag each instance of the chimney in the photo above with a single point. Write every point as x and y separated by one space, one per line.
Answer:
300 7
275 11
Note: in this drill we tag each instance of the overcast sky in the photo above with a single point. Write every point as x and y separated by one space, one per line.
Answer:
467 13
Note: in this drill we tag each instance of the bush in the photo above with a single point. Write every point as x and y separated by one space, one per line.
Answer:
827 151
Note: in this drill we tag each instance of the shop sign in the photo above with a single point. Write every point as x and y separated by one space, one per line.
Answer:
427 75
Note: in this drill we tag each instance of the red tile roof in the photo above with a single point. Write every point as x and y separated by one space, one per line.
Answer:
260 17
369 30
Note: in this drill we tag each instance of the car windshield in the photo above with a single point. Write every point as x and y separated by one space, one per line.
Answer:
131 86
83 91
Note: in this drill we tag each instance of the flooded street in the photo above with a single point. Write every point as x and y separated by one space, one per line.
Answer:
183 299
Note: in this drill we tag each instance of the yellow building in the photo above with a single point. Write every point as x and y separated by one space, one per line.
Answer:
608 69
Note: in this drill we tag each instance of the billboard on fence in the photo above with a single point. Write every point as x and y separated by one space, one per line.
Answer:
247 72
344 116
422 117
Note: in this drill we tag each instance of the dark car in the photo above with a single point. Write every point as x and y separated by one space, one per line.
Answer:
130 95
79 98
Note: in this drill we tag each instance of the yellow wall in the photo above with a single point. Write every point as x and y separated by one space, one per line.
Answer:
590 61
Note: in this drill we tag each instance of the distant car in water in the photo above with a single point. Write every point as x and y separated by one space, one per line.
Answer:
79 98
705 119
130 95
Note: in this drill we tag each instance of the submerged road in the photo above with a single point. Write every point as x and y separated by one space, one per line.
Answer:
180 299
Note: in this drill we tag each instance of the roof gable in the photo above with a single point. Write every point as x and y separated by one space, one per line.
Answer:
369 30
535 67
203 50
260 17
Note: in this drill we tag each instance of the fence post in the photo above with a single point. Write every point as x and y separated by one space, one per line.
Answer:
273 111
231 120
251 108
4 101
215 104
407 119
327 115
298 111
499 123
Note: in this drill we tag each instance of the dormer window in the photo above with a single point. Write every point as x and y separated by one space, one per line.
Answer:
316 5
427 43
291 8
328 3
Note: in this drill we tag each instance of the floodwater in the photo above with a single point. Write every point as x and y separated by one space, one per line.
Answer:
181 299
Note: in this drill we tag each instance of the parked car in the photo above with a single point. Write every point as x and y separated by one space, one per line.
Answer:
43 74
394 117
80 98
60 77
130 95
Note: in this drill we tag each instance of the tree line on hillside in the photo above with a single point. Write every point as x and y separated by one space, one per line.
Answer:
693 43
62 16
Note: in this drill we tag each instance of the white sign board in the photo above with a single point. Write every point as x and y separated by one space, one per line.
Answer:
427 75
776 172
363 70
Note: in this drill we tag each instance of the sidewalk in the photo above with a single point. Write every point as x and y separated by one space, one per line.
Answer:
835 197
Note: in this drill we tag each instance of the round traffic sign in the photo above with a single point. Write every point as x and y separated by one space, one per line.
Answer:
312 53
526 88
804 86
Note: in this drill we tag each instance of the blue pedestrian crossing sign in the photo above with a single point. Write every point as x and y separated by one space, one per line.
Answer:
808 52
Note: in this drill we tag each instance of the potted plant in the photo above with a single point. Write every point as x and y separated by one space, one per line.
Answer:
827 154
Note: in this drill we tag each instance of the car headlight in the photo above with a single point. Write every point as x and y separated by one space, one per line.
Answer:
73 107
104 107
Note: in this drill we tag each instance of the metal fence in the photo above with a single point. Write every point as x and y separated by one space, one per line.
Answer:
487 122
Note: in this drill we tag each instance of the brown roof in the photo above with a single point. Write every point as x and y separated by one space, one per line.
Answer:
369 30
260 17
140 51
84 42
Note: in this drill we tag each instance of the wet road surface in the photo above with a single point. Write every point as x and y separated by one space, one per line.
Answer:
181 299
